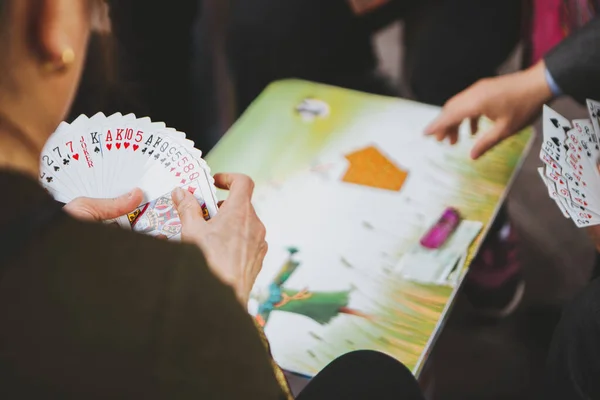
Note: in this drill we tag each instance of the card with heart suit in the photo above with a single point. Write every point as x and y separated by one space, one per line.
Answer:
107 156
570 153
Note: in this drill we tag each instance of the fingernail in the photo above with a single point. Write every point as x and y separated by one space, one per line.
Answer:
178 195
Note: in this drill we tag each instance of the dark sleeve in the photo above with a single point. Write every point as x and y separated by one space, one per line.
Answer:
90 311
575 63
211 340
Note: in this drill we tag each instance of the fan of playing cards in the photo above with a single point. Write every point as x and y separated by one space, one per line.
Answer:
571 154
105 157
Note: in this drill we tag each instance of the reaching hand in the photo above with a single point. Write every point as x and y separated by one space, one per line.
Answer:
233 241
85 208
511 101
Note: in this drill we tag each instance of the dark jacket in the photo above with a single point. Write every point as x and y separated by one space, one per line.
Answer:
91 311
575 63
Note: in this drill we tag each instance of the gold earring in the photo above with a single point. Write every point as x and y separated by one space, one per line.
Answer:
66 58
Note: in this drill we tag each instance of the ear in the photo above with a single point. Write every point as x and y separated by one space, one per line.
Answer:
61 30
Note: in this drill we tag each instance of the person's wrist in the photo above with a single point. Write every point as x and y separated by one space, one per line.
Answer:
537 85
215 264
239 284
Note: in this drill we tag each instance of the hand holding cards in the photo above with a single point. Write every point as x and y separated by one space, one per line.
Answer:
105 157
570 153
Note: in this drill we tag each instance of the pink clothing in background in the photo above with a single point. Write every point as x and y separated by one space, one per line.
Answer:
547 31
553 20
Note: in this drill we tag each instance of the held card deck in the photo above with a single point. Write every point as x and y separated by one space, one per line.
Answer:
570 154
105 157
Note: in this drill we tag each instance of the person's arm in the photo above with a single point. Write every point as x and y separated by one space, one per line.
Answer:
91 311
574 63
103 209
207 332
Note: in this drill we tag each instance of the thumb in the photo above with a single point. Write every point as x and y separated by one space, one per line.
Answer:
102 209
490 139
188 208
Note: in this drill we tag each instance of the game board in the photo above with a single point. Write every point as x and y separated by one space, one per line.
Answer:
346 185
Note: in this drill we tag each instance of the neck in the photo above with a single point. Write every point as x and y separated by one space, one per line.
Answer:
18 151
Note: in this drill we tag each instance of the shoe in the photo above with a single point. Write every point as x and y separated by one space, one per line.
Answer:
494 284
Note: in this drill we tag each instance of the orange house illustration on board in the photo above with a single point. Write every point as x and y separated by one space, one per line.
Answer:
369 167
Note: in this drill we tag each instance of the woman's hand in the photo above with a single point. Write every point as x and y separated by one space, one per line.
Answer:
85 208
511 101
233 241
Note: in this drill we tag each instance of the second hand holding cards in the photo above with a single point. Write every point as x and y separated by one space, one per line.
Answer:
106 157
571 153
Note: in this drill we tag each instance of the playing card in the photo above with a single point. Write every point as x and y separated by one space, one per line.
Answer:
555 127
115 179
549 161
581 167
583 217
594 111
160 218
105 157
588 138
58 156
555 177
570 154
83 159
553 193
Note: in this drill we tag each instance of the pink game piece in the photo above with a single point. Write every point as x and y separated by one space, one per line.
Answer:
441 231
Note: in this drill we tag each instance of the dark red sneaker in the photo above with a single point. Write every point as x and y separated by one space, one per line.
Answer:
494 284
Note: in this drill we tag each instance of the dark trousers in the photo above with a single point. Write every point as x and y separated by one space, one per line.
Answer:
453 44
363 375
573 370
